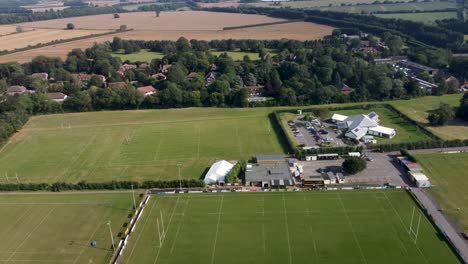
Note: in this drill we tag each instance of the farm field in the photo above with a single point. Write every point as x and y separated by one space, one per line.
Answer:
59 228
404 131
135 145
36 36
427 18
420 6
298 30
448 173
301 227
168 21
143 55
418 109
6 30
312 4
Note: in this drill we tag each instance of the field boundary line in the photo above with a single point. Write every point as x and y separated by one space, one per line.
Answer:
142 230
18 219
167 228
287 230
198 142
403 223
180 223
29 235
156 153
213 251
352 228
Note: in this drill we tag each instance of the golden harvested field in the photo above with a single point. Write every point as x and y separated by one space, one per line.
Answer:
36 36
5 30
296 30
168 21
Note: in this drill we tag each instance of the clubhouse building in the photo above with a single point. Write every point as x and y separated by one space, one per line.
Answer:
357 126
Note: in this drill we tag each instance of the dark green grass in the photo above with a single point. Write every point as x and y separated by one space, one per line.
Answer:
448 172
58 228
428 18
284 228
141 56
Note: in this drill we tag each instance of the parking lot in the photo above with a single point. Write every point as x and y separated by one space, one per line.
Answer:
381 170
315 133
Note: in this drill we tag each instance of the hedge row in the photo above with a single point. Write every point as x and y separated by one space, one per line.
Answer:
113 185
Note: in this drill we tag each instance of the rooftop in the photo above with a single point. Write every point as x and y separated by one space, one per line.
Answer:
267 172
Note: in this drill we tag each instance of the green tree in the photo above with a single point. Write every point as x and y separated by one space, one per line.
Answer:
462 111
78 102
353 165
442 115
70 26
116 15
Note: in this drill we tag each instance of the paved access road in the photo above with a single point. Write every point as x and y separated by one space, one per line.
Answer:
442 223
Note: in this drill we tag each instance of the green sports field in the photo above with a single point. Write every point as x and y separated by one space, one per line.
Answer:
448 173
143 55
59 228
285 228
135 145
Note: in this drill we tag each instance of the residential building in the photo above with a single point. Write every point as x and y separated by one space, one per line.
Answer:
16 89
41 75
57 97
147 90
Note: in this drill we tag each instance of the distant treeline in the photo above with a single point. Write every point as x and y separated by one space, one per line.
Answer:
416 33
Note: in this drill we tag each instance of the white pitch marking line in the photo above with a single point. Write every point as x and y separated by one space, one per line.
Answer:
167 228
217 231
180 224
404 227
287 230
352 228
94 232
30 233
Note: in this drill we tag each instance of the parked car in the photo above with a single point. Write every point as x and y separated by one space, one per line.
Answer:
370 158
293 126
291 123
323 132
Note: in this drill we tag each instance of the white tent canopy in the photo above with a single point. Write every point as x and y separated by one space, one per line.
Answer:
218 172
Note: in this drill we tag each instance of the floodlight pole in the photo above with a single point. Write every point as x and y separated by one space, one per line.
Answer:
133 195
180 181
112 237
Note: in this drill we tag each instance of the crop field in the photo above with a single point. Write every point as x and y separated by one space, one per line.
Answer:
393 7
6 30
404 131
59 228
418 109
448 173
427 18
36 36
168 21
313 4
302 227
135 145
143 55
298 30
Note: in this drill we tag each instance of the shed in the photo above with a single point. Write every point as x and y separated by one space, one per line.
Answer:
420 179
338 118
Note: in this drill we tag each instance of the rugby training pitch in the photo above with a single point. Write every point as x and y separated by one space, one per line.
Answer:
134 145
59 228
286 228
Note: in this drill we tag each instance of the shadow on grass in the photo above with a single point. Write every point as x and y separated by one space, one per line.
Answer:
280 134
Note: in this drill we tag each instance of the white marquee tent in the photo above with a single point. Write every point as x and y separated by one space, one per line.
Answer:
218 172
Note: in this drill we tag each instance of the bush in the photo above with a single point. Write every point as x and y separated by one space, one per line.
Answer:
354 165
70 26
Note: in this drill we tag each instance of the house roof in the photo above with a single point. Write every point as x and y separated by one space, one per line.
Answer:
41 75
146 89
56 96
344 89
117 85
191 76
159 76
165 67
16 89
383 130
357 132
360 121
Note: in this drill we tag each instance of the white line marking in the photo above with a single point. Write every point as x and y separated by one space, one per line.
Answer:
167 228
287 230
180 224
94 232
29 235
352 228
217 230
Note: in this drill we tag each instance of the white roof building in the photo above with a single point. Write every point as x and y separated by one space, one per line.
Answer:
357 126
218 172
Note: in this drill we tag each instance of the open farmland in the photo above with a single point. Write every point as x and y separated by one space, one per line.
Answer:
392 7
301 227
168 21
448 173
313 4
37 36
427 18
135 145
418 110
297 30
59 228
